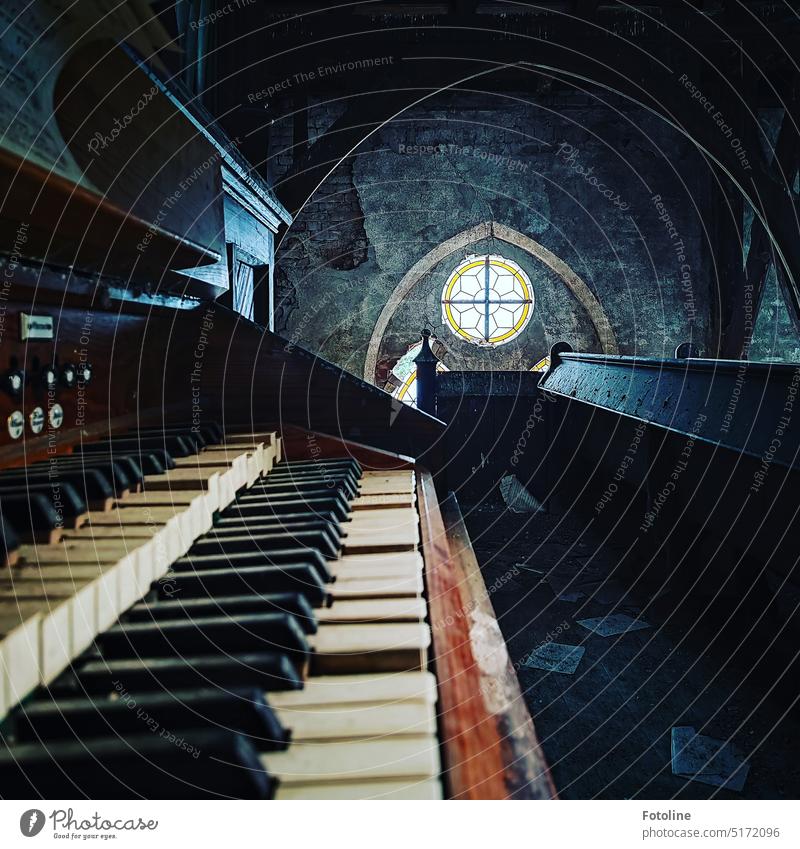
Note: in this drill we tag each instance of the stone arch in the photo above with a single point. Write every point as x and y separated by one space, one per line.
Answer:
485 230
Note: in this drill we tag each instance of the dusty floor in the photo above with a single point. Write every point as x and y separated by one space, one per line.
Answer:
606 729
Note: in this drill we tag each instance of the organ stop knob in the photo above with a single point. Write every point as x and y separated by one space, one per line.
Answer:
14 382
69 375
49 377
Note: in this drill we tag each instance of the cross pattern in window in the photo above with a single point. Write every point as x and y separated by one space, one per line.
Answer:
487 300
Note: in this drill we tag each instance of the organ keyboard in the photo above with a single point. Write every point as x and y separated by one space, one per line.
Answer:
263 612
191 611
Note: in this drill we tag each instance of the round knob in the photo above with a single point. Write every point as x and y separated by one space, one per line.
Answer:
14 382
69 375
84 373
56 416
49 377
16 424
36 419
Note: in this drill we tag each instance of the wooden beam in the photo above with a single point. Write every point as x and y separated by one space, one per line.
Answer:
735 311
472 745
526 773
761 256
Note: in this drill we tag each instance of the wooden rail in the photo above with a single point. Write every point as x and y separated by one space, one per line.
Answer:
525 769
490 749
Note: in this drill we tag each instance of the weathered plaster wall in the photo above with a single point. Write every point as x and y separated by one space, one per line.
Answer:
775 336
578 177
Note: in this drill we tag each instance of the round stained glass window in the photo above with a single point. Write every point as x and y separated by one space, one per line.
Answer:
487 300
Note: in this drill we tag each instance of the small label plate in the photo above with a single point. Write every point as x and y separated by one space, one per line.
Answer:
35 326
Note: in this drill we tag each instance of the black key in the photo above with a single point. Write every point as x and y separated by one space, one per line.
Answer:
342 462
316 469
9 541
244 711
232 517
235 540
123 473
293 472
194 608
304 483
330 502
301 578
65 498
93 484
269 671
347 489
181 764
289 491
299 488
177 446
326 477
153 462
277 524
252 538
188 435
33 514
197 561
325 468
334 507
210 433
197 434
207 635
126 466
235 513
216 429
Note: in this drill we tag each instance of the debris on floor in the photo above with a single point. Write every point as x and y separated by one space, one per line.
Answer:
517 497
704 759
613 624
674 673
573 581
571 597
528 568
555 657
564 591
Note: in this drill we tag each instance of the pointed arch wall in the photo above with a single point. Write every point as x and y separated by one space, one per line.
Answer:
583 294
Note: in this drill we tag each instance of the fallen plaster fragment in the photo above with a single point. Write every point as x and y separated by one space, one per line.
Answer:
704 759
613 624
555 657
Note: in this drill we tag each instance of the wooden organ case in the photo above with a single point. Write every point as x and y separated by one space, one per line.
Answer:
199 518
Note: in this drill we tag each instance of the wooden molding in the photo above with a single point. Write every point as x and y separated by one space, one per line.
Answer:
68 225
473 749
525 769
